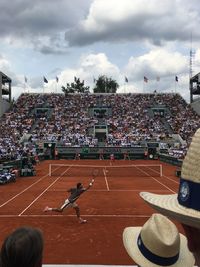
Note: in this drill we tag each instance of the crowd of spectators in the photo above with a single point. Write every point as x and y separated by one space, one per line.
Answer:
66 120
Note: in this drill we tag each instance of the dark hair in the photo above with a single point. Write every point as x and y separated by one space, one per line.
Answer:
78 185
23 247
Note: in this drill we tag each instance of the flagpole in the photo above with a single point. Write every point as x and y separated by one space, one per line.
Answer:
25 82
24 87
175 87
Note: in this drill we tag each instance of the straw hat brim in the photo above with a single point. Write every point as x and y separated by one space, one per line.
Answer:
130 236
168 205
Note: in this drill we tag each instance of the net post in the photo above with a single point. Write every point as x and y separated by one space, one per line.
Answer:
161 170
50 170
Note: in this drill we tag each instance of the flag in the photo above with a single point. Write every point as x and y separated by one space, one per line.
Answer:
176 78
57 79
145 79
157 79
126 79
25 79
45 80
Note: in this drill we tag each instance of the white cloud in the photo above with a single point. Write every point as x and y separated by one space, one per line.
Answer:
157 62
127 38
155 21
4 64
39 23
90 66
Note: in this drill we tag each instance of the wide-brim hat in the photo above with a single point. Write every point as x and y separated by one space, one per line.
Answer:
169 206
184 206
157 243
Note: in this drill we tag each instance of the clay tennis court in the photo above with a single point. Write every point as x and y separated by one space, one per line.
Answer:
112 204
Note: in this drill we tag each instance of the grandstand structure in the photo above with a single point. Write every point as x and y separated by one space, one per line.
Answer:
194 86
5 92
140 126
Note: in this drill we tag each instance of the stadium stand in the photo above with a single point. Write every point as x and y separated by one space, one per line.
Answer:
41 123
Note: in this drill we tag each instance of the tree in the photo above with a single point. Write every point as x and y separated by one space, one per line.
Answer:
76 87
105 85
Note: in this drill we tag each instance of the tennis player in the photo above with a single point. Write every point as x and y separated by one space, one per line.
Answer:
70 202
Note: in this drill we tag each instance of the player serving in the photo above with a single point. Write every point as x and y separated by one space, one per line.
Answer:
75 193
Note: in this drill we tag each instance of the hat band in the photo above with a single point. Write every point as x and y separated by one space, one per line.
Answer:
188 195
162 261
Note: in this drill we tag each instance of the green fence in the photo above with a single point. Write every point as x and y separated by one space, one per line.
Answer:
105 152
171 160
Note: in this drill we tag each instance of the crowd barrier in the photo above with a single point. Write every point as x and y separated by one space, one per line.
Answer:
101 152
170 159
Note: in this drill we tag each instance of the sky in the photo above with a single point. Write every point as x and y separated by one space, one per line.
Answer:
129 39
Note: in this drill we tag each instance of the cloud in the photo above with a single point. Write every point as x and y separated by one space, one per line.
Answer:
161 63
157 62
88 67
4 64
51 45
27 22
5 67
139 20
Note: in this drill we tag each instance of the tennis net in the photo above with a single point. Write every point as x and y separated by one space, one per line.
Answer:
108 171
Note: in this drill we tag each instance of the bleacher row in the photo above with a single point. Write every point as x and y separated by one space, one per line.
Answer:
66 120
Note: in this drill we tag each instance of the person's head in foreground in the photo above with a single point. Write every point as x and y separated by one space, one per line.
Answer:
157 243
22 248
184 206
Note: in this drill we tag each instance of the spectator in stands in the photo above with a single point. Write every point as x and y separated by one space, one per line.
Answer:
184 207
22 248
66 120
157 243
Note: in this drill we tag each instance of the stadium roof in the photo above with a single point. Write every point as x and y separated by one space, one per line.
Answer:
5 78
196 78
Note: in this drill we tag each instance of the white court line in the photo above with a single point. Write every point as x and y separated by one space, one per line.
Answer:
105 177
39 196
170 179
43 192
156 180
84 215
118 190
164 176
163 185
23 191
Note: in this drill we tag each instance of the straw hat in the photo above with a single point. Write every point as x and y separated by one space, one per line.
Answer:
157 243
184 206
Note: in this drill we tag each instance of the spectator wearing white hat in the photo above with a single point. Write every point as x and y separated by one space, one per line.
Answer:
184 206
158 243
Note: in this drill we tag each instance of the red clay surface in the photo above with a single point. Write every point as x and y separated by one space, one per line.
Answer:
112 204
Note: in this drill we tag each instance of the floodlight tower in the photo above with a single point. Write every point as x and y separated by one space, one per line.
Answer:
193 80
